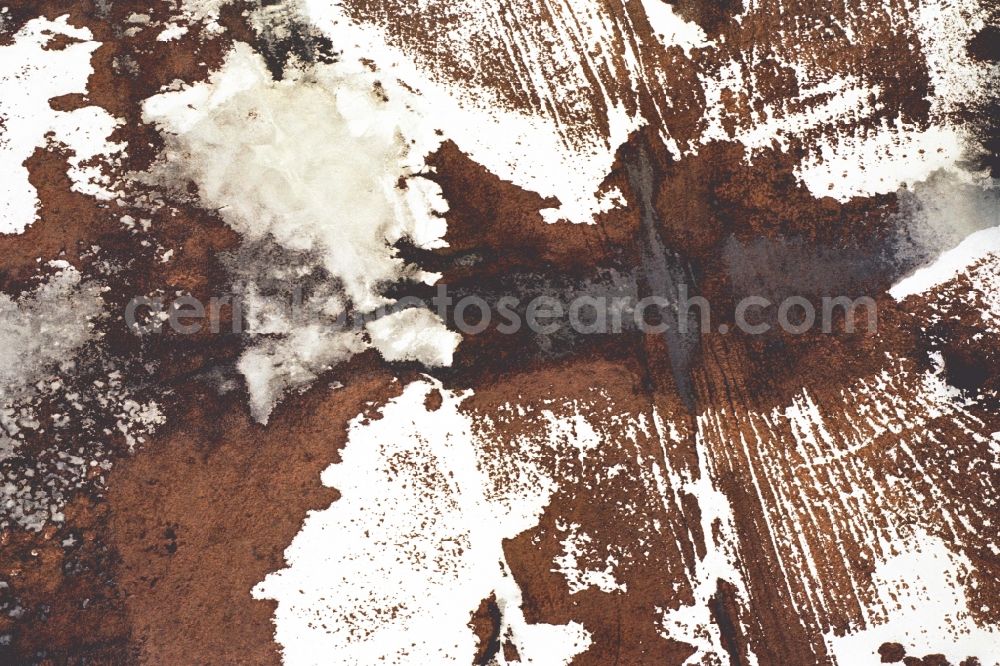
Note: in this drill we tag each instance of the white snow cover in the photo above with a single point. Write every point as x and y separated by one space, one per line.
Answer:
414 334
671 29
950 264
314 162
536 150
953 222
392 571
693 624
30 75
945 28
923 586
544 153
856 162
882 161
898 156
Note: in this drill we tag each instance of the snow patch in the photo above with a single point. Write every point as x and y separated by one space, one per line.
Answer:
322 165
414 334
532 150
922 589
950 264
30 75
671 29
880 162
391 572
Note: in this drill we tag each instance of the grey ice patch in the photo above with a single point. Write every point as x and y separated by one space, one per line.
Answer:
937 215
45 326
